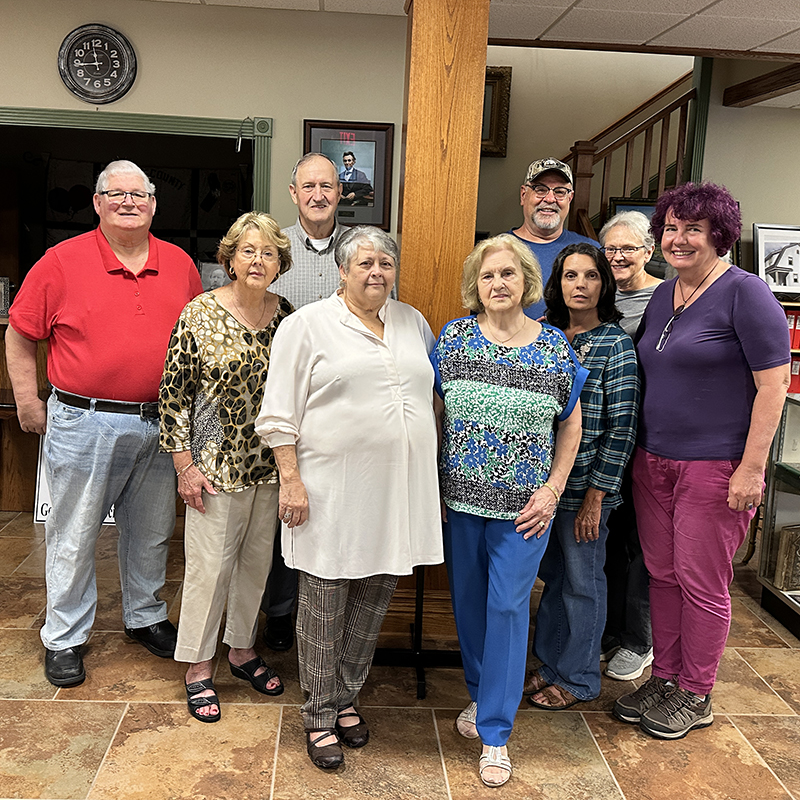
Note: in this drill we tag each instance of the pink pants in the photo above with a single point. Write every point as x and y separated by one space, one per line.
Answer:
689 537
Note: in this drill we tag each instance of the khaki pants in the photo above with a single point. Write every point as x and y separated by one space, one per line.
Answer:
228 557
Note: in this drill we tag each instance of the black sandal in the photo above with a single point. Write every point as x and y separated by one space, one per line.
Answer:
328 756
196 703
247 672
353 735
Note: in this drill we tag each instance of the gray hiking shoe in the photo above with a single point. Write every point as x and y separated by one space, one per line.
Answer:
630 707
677 714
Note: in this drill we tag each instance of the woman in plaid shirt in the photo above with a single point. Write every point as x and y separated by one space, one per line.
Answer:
569 625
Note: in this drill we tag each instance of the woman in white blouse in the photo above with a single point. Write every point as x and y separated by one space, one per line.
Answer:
348 413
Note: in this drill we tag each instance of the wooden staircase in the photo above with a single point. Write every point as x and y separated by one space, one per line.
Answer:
618 161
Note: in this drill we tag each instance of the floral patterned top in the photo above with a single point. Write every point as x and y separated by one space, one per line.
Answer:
500 406
211 393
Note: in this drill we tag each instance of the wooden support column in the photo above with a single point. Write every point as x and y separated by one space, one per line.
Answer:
445 75
582 172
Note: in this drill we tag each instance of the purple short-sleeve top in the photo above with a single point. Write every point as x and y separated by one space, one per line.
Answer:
698 391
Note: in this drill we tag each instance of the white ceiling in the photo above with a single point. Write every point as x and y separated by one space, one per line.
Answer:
763 26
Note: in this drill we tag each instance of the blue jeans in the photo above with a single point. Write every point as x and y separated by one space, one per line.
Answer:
572 612
491 570
95 460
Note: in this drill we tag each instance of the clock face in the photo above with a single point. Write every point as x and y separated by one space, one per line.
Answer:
97 64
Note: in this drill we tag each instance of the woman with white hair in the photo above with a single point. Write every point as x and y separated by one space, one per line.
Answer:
627 643
348 412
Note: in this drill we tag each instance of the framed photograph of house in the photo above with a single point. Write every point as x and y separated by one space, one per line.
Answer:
776 256
496 102
362 152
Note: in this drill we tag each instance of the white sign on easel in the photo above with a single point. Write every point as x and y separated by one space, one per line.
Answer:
42 504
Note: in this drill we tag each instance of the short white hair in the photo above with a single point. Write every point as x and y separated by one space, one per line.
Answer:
123 168
636 222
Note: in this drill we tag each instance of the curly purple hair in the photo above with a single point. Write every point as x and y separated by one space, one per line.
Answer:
695 201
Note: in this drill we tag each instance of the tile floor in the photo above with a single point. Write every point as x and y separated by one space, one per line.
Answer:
125 733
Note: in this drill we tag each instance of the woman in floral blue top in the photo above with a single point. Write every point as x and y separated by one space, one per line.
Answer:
580 300
504 383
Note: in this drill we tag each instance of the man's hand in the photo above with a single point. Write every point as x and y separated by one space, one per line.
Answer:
33 416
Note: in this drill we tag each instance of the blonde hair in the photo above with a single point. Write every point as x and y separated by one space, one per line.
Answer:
267 227
531 271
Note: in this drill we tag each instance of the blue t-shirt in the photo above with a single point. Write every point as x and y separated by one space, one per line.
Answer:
546 254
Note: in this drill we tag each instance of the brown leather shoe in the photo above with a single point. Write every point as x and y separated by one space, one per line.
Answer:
327 756
353 735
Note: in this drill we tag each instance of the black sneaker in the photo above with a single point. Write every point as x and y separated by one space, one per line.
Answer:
630 707
677 714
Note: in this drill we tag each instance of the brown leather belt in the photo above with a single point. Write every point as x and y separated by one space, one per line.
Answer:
144 410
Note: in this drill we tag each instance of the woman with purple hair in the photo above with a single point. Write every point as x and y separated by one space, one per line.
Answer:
714 355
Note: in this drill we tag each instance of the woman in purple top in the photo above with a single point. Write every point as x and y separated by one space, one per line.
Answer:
714 354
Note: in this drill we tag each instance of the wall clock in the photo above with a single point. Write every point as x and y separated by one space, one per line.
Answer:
97 64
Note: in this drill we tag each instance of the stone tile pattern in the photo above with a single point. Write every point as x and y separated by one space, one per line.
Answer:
125 733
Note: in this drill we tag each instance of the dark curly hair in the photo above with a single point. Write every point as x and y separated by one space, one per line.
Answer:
557 313
692 202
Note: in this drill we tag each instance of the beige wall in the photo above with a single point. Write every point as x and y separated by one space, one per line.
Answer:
557 97
197 60
754 152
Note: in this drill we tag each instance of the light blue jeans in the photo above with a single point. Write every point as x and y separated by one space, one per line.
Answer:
572 612
93 461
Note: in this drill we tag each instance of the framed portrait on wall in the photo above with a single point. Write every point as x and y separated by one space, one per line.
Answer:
362 152
776 256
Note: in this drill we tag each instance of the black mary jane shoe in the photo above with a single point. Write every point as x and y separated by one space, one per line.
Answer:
279 633
64 667
196 703
247 672
329 756
160 639
354 735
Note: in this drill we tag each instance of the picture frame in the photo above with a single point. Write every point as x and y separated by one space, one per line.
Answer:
776 256
5 296
367 196
496 103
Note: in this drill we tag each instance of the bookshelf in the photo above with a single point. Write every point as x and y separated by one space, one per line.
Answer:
779 564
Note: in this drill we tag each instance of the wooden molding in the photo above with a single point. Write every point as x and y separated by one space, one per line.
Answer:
774 84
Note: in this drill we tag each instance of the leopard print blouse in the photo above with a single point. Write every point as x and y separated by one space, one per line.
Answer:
211 393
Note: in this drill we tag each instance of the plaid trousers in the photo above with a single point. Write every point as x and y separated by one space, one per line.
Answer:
338 622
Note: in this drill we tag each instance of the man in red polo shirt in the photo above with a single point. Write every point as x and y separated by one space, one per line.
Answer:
106 303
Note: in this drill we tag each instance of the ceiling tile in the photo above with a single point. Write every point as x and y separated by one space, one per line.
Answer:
773 9
613 27
786 44
294 5
675 6
723 33
509 21
386 7
196 2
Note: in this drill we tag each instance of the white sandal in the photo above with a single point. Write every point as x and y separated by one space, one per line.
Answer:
465 722
494 758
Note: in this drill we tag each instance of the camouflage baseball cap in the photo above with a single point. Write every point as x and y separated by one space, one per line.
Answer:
546 165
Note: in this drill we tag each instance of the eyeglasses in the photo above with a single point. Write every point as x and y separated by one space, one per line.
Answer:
662 342
117 196
250 254
540 190
627 250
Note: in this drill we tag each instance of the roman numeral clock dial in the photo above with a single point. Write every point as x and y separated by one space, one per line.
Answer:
97 64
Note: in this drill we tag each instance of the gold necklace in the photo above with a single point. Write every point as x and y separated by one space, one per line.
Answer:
257 326
503 341
687 299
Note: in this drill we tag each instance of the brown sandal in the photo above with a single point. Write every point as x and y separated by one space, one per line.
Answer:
557 698
534 682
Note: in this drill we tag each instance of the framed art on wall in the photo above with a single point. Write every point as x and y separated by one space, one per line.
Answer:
776 256
362 152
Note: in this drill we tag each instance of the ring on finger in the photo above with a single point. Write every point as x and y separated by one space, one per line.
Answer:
541 523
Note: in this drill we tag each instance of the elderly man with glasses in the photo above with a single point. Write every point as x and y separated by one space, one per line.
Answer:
545 197
105 302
